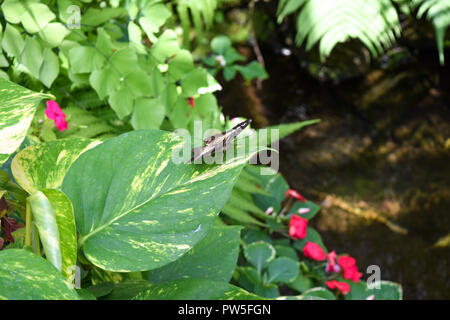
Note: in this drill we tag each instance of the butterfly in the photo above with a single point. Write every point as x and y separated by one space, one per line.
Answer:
219 141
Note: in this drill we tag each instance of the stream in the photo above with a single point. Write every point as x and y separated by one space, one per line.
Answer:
382 145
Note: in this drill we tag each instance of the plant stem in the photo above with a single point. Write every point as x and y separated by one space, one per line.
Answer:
28 224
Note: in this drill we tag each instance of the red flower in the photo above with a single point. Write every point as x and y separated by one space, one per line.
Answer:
348 264
54 112
332 266
291 193
297 227
191 102
314 251
343 287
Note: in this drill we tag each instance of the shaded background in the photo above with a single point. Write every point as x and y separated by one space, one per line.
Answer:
382 146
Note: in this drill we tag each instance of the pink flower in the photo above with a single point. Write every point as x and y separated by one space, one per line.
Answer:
332 266
303 210
269 210
348 264
297 227
313 251
343 287
54 112
291 193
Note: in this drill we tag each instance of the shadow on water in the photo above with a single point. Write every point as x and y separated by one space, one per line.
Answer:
383 144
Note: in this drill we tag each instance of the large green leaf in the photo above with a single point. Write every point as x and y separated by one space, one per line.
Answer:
44 165
196 289
17 109
25 275
214 258
137 210
66 228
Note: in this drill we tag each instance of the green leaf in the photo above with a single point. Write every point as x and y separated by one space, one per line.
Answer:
301 283
220 43
319 292
148 113
142 197
66 228
252 70
54 33
50 68
94 17
267 290
259 254
274 133
196 289
33 15
32 56
16 112
313 209
105 82
179 66
286 251
282 270
121 102
43 166
212 258
127 290
154 16
165 47
25 275
84 59
387 291
193 81
12 41
44 218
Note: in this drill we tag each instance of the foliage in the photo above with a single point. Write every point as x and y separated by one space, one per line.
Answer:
375 23
438 12
109 201
329 22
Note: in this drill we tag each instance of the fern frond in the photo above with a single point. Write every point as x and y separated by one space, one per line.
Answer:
438 12
375 23
202 13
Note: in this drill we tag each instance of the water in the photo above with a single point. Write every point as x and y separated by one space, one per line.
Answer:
382 144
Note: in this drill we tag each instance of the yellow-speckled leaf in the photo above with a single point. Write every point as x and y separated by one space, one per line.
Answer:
44 165
25 275
66 228
17 108
135 209
45 219
196 289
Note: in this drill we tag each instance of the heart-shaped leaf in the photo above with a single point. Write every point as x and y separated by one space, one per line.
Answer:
43 166
17 109
196 289
137 210
25 275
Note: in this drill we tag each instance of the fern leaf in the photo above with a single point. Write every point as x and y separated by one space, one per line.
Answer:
438 12
329 22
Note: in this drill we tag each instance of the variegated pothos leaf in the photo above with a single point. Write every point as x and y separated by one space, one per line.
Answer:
135 209
17 108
